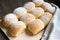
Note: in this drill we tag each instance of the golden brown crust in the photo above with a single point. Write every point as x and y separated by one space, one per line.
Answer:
46 18
6 23
27 18
36 26
16 28
38 12
3 23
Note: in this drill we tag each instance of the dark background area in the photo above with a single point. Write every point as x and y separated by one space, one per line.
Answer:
7 6
57 2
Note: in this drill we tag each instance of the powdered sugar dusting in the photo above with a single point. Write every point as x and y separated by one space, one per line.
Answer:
29 6
9 17
37 11
18 23
48 7
37 1
20 10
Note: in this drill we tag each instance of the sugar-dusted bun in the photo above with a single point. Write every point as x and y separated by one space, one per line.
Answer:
16 28
27 18
29 6
48 7
36 26
38 12
38 2
46 18
20 11
8 19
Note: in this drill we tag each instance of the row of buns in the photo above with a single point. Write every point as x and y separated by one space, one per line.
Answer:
33 15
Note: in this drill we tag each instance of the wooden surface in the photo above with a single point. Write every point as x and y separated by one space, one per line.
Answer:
24 36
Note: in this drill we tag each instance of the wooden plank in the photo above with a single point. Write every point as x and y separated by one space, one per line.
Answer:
24 36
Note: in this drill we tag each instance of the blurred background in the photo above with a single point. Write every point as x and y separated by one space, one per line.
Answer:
57 2
7 6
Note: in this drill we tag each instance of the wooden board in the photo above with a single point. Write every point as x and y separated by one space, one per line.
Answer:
24 36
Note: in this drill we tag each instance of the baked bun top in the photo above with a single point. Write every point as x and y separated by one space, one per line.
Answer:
27 18
20 11
16 28
29 6
38 12
36 26
38 2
